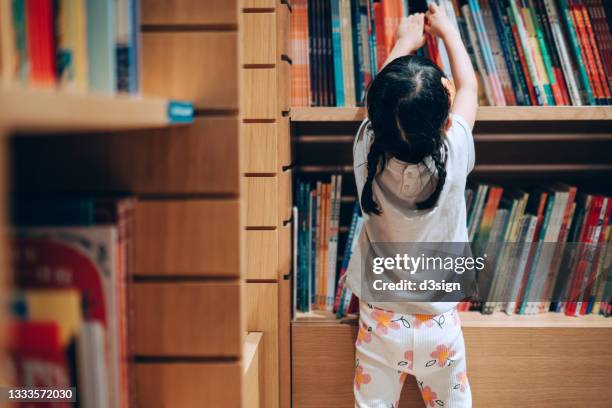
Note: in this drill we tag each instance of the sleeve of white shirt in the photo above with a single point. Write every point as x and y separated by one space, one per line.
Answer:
461 139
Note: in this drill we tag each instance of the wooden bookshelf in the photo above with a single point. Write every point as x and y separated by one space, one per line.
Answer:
39 110
476 319
485 114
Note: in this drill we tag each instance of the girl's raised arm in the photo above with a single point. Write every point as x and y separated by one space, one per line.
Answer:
466 98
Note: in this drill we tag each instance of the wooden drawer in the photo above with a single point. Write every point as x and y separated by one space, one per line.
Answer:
253 378
259 38
323 366
266 147
200 67
284 341
283 17
186 319
268 200
180 159
262 316
187 385
187 238
268 253
261 95
189 12
284 86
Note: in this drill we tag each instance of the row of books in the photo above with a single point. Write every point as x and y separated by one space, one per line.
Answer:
549 248
525 52
71 263
81 45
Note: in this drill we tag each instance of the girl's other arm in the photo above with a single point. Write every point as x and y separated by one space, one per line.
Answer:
410 37
466 98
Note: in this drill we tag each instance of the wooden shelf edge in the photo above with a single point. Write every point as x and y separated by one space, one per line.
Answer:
475 319
40 110
485 114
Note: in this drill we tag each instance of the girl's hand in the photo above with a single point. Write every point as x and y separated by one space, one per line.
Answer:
410 35
438 22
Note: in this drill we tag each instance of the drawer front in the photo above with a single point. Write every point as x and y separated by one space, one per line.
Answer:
261 95
268 253
261 148
283 16
187 238
189 12
262 316
179 65
284 86
284 341
186 319
259 38
262 201
187 385
253 380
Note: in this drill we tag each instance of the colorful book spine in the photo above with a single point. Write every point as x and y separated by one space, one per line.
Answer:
337 53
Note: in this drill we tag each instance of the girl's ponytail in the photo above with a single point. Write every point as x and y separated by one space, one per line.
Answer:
440 164
368 203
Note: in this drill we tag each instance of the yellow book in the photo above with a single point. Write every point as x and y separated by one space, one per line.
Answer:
72 44
58 305
8 60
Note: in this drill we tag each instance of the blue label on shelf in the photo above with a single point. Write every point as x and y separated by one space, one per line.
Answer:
180 112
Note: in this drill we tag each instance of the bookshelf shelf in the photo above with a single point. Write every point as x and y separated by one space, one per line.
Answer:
475 319
34 110
485 114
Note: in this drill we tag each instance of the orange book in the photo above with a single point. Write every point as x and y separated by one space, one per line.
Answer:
585 50
599 71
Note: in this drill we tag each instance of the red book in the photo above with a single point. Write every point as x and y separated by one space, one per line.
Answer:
604 38
41 42
599 72
379 25
521 55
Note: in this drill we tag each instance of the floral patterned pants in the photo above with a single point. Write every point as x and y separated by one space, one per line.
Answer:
392 345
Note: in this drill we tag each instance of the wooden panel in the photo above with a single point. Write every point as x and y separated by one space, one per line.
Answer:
268 253
261 148
283 16
189 12
261 254
187 238
259 3
323 366
284 137
262 315
259 38
284 86
253 380
186 319
260 97
285 196
284 342
187 385
266 147
180 65
262 201
181 159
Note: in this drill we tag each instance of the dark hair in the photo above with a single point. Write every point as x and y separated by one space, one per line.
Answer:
408 107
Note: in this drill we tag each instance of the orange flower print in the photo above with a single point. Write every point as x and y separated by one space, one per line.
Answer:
442 354
361 377
463 381
409 356
384 321
363 336
423 320
429 397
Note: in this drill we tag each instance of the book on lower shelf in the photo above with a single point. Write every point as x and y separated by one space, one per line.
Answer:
70 271
76 45
548 249
528 52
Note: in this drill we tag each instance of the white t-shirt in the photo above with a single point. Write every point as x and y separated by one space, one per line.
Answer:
397 189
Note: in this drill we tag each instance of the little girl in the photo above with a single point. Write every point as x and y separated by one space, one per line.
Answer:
411 160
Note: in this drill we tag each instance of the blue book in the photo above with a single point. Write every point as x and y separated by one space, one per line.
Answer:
337 50
357 45
372 39
101 45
